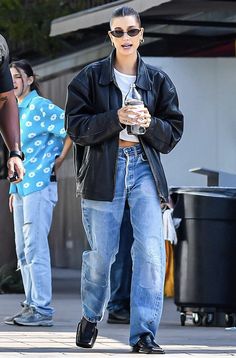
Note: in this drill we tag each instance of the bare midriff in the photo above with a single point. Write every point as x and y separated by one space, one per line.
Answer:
125 143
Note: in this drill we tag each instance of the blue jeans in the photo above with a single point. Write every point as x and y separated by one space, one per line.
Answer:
102 221
121 270
32 221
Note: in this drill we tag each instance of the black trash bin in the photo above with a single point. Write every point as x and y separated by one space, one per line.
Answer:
205 255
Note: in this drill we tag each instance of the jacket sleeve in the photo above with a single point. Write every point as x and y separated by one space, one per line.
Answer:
6 83
9 120
83 124
166 126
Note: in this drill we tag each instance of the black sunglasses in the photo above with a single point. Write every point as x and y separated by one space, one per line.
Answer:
120 33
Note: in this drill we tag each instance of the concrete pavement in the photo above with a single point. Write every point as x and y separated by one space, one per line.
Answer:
59 340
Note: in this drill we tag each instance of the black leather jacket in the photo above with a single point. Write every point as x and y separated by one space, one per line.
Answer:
92 123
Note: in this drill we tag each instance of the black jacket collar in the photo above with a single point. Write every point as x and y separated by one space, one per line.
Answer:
107 73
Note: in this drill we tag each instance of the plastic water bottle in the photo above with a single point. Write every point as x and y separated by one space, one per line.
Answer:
133 98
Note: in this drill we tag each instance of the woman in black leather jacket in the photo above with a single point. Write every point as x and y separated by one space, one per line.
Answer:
113 166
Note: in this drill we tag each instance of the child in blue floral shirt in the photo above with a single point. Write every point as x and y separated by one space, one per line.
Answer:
32 200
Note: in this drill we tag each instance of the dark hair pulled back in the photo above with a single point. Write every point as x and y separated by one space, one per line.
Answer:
25 66
125 11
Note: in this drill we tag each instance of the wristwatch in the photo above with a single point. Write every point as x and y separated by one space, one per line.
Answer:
17 153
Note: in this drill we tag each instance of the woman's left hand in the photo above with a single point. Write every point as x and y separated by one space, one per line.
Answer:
145 118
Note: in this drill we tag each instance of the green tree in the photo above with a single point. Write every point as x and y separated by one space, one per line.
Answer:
26 25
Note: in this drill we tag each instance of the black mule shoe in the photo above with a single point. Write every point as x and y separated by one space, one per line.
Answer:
86 334
146 344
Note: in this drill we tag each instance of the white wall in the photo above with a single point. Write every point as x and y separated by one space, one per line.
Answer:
207 96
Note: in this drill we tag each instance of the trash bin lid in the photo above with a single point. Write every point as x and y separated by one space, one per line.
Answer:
207 203
212 191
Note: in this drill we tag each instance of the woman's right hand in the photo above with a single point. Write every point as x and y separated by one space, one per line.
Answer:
11 198
127 115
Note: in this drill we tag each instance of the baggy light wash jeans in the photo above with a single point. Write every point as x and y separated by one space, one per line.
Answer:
32 221
102 221
121 269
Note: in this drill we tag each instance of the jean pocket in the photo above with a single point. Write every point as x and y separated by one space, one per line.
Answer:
53 195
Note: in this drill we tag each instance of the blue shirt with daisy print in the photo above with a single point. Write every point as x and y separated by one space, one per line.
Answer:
42 137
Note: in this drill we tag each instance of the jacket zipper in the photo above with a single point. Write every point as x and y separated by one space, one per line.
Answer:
76 170
117 147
